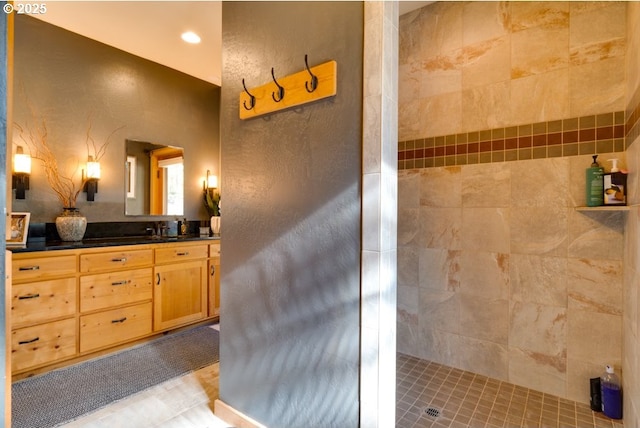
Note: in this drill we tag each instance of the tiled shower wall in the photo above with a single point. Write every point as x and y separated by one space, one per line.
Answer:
631 343
498 273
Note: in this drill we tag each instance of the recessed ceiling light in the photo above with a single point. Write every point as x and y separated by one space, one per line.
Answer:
190 37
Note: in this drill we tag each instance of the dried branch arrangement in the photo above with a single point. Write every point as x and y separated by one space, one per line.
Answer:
64 186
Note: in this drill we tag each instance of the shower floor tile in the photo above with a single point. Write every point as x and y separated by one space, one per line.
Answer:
431 395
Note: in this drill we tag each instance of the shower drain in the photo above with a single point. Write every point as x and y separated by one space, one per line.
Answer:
432 411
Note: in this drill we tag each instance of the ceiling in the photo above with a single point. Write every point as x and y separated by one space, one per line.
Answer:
152 29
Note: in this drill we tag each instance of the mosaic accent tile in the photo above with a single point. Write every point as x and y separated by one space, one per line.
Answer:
602 133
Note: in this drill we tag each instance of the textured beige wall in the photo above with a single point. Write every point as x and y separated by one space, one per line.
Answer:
631 345
497 271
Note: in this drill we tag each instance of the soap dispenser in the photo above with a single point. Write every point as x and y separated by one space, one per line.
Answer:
594 181
615 185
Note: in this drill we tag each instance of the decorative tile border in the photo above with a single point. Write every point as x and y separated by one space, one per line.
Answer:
603 133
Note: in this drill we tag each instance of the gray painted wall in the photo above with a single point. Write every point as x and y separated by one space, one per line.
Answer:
289 350
67 77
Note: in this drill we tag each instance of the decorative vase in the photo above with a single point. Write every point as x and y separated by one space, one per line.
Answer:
71 225
215 225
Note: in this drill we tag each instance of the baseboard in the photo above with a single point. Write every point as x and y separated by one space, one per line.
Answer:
234 417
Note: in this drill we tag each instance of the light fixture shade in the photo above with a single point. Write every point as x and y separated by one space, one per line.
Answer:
93 169
21 162
212 181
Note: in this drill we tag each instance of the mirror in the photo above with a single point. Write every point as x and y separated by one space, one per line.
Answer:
154 179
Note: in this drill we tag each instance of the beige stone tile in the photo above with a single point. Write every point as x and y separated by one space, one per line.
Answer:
486 107
447 106
548 14
486 62
540 98
545 373
578 374
487 185
441 187
594 337
596 235
595 285
441 25
597 51
441 74
439 346
605 80
538 279
485 229
409 121
439 269
539 230
541 183
485 274
408 265
483 21
483 357
484 318
440 227
409 81
440 310
538 328
408 226
539 50
598 25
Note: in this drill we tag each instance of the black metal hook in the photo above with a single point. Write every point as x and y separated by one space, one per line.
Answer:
314 78
252 99
280 89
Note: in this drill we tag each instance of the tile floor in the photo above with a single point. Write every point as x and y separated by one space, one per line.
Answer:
430 395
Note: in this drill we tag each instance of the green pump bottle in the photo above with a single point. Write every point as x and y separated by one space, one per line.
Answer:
595 184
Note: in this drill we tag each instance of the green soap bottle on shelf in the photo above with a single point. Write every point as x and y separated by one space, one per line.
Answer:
595 184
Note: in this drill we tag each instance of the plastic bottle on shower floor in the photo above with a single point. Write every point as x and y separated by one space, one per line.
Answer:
611 392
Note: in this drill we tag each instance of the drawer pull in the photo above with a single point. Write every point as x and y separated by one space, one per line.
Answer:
29 268
213 270
121 282
26 342
121 260
29 296
123 319
158 276
186 253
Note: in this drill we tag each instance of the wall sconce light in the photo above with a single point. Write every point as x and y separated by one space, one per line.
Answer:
210 182
91 179
21 171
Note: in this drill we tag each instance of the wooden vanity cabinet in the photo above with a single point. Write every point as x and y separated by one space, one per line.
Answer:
43 309
214 279
67 304
180 285
115 298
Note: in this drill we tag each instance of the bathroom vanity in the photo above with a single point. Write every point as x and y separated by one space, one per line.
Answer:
69 303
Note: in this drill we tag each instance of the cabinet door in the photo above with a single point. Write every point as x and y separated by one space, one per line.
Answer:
180 291
214 287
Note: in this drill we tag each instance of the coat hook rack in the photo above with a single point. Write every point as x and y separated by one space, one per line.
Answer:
252 99
280 89
309 85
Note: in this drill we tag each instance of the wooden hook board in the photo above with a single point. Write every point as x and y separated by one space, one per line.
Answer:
295 92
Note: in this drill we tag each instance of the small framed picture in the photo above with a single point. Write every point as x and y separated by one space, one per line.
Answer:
18 230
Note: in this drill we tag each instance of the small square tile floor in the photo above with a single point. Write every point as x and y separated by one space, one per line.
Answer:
431 395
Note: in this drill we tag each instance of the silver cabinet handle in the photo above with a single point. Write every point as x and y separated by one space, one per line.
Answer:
29 268
121 260
29 296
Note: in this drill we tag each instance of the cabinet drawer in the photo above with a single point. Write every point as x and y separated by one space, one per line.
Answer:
42 344
115 260
35 302
179 253
115 326
35 268
214 250
106 290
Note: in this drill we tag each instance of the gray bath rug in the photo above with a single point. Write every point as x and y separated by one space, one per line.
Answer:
63 395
